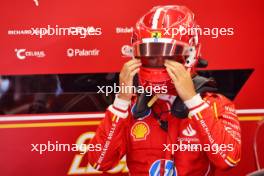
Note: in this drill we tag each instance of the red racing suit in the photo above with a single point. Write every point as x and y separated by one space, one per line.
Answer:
195 146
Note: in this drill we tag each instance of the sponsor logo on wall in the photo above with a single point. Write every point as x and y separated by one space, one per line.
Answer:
23 53
75 52
124 30
49 30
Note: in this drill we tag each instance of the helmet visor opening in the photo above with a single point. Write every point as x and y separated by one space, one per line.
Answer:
156 49
158 62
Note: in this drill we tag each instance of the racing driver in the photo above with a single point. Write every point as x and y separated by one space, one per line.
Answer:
189 131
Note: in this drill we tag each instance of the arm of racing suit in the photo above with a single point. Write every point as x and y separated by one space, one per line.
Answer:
111 136
217 124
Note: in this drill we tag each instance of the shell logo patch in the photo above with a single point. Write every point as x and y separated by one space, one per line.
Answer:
140 131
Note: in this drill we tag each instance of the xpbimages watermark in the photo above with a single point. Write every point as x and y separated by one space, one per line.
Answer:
202 31
148 90
190 147
60 147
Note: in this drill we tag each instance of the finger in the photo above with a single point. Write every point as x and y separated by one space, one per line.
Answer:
175 64
132 61
178 66
131 68
170 61
131 76
134 72
189 71
172 75
134 66
176 70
